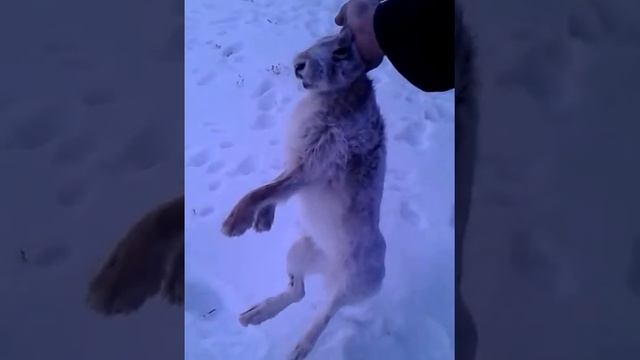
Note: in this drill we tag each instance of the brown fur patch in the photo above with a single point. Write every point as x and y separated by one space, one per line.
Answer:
150 257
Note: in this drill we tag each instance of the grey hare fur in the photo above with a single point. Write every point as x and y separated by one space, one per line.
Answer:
336 153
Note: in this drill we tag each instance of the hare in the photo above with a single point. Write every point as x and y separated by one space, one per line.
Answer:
149 259
336 154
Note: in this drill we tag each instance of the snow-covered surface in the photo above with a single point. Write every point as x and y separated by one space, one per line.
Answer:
551 259
76 172
239 90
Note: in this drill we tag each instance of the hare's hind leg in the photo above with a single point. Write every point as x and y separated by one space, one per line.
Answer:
308 341
304 258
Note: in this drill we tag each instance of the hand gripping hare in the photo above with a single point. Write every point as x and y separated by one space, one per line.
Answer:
336 166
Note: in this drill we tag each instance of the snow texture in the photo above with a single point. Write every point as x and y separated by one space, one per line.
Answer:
64 142
551 259
239 90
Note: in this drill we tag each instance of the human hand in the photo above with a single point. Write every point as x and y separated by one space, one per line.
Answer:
358 16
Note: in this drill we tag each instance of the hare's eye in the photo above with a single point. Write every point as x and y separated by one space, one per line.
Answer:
340 53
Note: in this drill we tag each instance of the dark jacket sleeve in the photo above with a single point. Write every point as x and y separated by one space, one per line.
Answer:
417 36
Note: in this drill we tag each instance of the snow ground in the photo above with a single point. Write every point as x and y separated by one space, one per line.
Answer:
63 141
238 92
552 241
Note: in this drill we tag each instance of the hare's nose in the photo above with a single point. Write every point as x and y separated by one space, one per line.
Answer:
298 67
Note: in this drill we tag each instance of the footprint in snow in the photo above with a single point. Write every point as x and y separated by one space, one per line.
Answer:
226 144
214 185
206 79
263 121
232 49
204 211
267 101
73 150
414 134
244 167
72 193
36 130
198 158
409 213
215 167
264 87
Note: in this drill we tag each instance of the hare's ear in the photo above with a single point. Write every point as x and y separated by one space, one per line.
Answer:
346 36
340 19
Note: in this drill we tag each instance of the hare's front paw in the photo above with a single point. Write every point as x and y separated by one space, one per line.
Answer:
264 218
173 287
131 275
239 220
